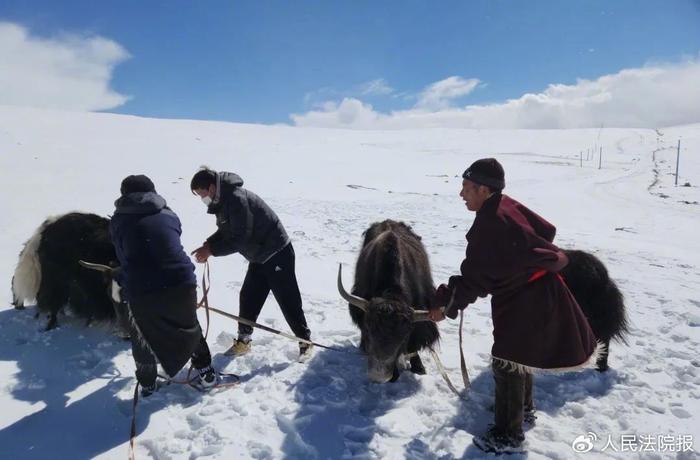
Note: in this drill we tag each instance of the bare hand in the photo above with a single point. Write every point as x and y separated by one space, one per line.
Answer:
202 253
436 314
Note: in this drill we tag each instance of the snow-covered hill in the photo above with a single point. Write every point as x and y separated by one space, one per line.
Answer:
67 393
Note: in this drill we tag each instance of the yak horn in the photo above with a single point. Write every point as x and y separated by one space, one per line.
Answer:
423 315
359 302
98 267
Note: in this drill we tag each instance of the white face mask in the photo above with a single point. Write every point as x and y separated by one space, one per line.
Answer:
206 200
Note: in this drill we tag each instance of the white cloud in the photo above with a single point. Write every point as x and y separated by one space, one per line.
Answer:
651 96
67 72
439 95
375 87
319 97
350 112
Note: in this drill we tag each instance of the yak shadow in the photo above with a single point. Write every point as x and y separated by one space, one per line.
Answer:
550 392
339 406
60 373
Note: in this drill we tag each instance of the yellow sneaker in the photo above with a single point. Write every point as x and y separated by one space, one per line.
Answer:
238 348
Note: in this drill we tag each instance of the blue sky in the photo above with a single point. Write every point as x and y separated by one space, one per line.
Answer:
260 61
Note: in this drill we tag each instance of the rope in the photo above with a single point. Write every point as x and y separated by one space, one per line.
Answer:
188 381
205 303
275 331
206 284
132 436
463 365
443 372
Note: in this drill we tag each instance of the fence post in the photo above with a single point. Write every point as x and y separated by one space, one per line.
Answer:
580 156
678 157
600 158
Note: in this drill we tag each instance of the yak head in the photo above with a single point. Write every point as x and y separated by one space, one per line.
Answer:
387 326
121 309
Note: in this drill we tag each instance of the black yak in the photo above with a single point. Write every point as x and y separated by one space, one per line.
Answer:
392 278
392 281
599 298
48 269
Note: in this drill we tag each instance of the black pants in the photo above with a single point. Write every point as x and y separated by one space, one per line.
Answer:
171 313
146 371
513 397
276 275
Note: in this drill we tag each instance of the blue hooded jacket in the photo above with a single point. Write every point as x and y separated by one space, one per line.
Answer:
146 236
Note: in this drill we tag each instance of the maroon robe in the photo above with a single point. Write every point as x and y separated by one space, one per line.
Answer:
537 324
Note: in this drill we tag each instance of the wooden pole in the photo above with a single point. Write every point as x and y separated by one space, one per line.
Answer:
678 157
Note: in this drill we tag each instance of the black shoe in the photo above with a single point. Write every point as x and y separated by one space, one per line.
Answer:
148 390
497 442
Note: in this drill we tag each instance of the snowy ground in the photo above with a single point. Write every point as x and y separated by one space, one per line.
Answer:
67 393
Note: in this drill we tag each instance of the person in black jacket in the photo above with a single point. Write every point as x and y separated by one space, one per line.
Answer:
247 225
157 280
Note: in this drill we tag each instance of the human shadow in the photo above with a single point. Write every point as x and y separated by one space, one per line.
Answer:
339 406
551 391
222 361
58 373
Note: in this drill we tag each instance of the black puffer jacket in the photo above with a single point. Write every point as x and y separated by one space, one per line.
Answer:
246 224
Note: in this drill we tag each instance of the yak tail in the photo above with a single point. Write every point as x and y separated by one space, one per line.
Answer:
27 276
618 311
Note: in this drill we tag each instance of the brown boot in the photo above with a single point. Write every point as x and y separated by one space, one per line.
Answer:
529 416
510 397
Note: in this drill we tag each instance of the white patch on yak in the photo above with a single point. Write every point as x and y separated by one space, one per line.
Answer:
116 292
27 276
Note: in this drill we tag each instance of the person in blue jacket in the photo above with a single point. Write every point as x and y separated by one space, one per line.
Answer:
157 280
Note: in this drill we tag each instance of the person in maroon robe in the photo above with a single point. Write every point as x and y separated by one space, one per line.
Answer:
537 324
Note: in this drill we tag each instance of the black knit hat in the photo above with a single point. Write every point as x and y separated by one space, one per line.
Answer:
137 183
487 171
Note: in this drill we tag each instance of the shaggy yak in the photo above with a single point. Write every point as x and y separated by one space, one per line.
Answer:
599 298
48 269
393 280
392 277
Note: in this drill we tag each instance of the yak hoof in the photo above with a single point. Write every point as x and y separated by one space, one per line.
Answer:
19 307
602 363
417 366
395 375
53 322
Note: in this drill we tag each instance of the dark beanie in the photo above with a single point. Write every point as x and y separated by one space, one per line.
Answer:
137 183
487 171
